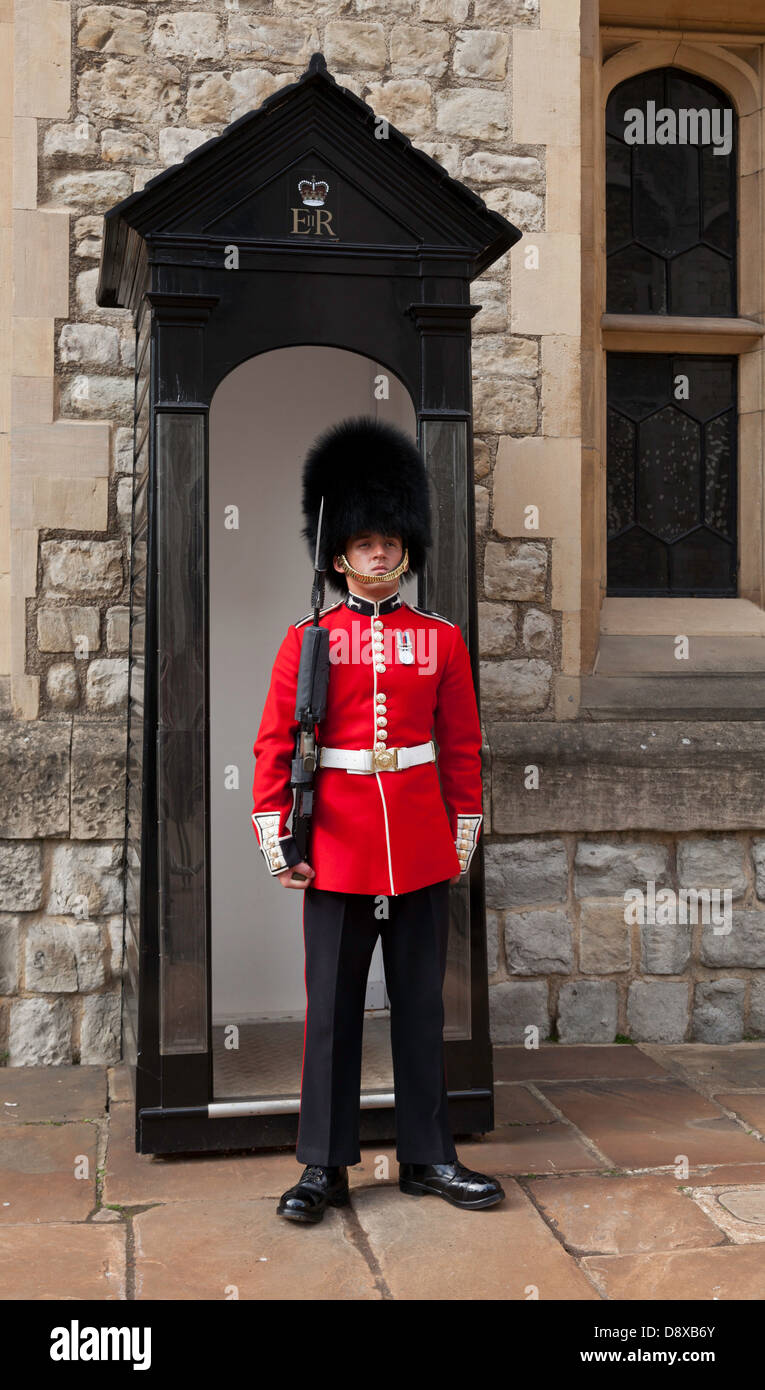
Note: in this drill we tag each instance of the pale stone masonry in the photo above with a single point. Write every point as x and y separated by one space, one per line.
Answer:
95 99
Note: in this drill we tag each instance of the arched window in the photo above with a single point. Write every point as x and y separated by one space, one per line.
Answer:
671 418
670 203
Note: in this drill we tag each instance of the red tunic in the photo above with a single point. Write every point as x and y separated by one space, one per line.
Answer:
385 832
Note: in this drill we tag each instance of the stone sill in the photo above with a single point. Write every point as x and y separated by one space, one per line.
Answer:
692 617
678 333
670 775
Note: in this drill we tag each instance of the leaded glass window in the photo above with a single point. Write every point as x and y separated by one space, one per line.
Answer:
670 206
671 442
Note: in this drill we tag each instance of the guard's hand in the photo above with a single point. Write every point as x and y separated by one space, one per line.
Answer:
456 878
287 881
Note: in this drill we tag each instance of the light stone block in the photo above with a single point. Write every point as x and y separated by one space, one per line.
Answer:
482 54
63 629
42 58
127 146
283 40
175 142
33 347
416 51
504 405
509 688
546 112
62 687
76 504
107 684
82 568
355 44
188 34
24 166
561 382
475 112
489 166
492 297
144 89
542 473
95 188
517 571
566 573
85 880
75 138
405 102
544 297
564 191
41 263
112 29
92 344
40 1032
66 449
32 400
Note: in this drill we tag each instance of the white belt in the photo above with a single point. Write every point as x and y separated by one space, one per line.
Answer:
377 759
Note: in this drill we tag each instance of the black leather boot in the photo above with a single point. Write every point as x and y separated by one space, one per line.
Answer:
456 1184
317 1188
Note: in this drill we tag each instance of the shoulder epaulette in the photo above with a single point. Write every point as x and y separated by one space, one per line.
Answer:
428 613
309 616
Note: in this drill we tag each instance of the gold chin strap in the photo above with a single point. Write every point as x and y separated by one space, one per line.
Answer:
376 578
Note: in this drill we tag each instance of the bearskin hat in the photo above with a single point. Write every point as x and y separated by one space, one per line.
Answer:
372 478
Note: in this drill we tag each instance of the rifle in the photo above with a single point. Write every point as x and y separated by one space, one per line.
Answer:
310 705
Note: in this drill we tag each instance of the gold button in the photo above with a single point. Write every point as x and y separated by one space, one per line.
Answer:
379 746
381 697
379 667
382 719
378 622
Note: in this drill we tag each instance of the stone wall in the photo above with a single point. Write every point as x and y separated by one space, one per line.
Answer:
563 959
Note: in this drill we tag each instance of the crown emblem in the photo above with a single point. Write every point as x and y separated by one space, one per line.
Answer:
313 191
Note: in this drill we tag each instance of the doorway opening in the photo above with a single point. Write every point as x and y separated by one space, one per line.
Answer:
263 418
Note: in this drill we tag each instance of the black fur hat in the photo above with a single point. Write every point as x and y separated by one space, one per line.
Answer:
372 478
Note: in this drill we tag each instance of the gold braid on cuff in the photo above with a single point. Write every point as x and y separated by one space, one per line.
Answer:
376 578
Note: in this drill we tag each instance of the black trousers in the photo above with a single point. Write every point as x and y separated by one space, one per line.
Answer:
340 931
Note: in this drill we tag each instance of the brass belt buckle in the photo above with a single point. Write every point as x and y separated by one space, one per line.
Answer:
385 760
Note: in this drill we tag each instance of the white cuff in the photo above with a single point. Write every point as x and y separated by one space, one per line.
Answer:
271 842
467 839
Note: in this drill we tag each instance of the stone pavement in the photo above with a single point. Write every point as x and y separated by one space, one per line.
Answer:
631 1172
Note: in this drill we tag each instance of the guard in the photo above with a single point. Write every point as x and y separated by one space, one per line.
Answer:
386 836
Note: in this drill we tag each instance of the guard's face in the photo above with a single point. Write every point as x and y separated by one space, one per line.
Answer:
372 552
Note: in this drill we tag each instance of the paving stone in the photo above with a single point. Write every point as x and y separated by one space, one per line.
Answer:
749 1105
710 1068
119 1083
52 1093
62 1261
726 1273
616 1216
726 1173
132 1178
39 1164
647 1124
554 1062
493 1254
516 1105
553 1147
206 1248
